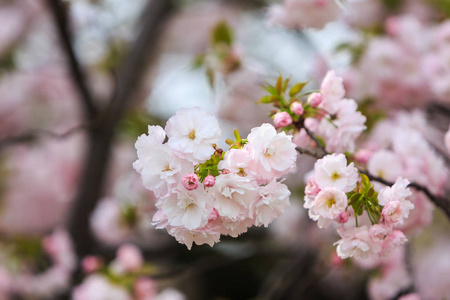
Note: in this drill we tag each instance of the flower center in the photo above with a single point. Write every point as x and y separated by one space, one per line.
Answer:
335 176
166 169
269 151
241 172
191 134
331 202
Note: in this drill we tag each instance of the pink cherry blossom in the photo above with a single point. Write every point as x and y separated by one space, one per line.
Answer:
330 203
274 199
332 171
274 153
192 132
282 119
315 99
333 91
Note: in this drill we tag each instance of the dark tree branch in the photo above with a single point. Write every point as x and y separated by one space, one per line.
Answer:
101 137
36 134
313 137
59 14
309 152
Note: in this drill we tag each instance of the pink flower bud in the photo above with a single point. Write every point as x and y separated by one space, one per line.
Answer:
209 181
315 99
282 119
297 108
129 257
225 171
91 263
145 288
312 189
190 181
363 155
343 217
392 26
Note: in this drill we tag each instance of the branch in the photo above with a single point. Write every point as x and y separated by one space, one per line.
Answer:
313 137
101 137
36 134
309 152
60 18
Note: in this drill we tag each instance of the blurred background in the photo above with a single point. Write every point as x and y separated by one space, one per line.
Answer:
80 80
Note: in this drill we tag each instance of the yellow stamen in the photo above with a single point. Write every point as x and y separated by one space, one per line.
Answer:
191 134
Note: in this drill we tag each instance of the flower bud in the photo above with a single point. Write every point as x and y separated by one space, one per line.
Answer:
297 108
190 181
129 258
145 288
209 181
225 171
315 99
282 119
343 217
91 263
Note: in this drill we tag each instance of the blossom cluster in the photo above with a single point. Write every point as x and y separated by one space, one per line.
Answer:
325 113
406 152
204 192
367 220
125 278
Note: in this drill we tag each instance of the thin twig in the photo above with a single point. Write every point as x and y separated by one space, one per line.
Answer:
60 18
36 134
309 152
313 137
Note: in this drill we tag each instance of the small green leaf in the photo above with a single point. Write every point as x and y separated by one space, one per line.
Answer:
271 89
297 89
285 84
222 33
266 99
199 60
279 85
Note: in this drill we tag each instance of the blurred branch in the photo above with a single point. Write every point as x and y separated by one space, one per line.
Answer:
101 137
297 270
36 134
59 13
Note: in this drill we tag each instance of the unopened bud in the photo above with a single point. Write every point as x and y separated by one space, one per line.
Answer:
209 181
190 181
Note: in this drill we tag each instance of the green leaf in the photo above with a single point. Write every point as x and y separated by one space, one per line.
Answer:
285 84
365 182
271 89
297 88
222 33
266 99
199 60
279 85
